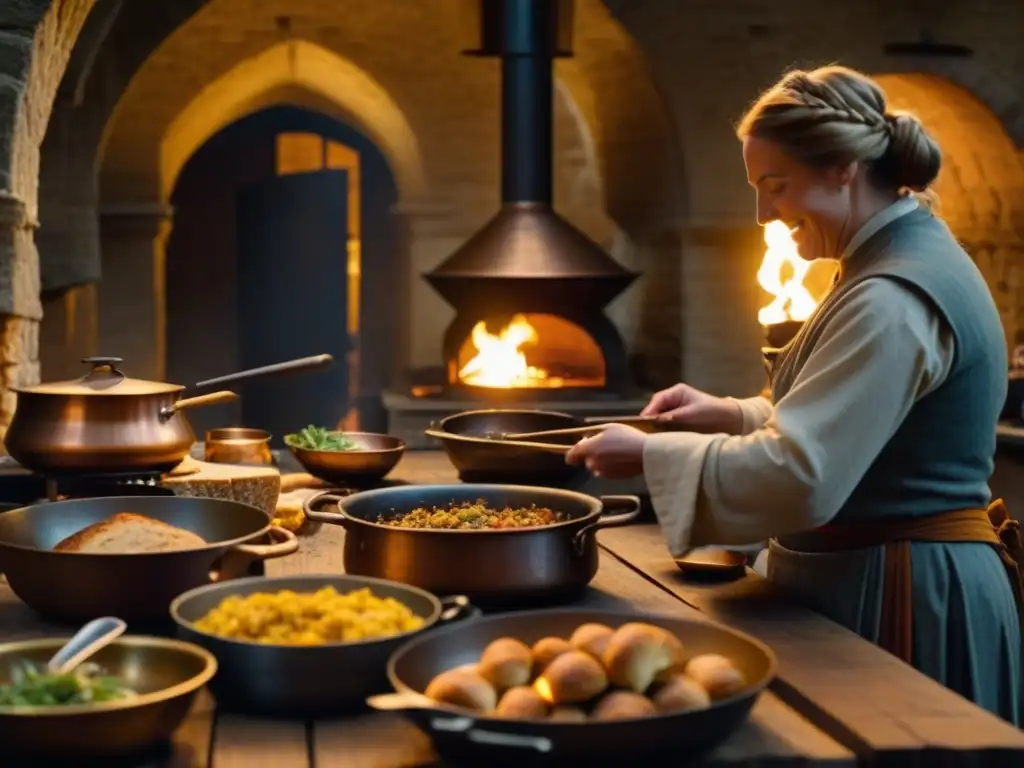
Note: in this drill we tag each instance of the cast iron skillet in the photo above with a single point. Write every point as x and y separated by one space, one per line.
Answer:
304 680
459 735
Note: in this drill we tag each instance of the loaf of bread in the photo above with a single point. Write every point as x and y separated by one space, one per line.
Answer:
256 486
129 534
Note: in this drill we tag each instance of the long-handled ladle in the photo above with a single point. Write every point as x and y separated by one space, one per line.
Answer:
95 635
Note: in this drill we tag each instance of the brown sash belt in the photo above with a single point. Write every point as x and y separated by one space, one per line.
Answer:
993 526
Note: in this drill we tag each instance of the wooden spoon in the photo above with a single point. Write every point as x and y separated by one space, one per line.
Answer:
545 447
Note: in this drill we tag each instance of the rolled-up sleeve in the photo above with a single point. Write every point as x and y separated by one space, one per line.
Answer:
882 349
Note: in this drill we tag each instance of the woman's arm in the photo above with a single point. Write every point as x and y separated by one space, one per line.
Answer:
755 412
884 348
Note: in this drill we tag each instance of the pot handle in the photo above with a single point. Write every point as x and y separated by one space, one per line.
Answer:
457 608
630 503
287 544
235 561
438 718
225 396
319 515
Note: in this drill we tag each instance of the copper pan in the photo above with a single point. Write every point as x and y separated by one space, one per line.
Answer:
108 422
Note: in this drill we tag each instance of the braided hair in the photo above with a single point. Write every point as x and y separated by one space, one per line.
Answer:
833 116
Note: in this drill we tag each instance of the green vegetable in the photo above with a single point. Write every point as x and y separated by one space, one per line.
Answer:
320 439
34 686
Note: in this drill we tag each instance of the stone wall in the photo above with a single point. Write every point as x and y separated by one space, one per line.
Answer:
654 90
36 38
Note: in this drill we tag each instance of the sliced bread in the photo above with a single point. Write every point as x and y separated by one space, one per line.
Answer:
127 533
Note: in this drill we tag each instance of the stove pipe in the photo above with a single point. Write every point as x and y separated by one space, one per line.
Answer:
527 258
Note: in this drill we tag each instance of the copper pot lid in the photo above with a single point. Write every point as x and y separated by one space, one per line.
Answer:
103 379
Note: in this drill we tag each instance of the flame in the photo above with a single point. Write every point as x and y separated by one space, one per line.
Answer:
500 361
792 300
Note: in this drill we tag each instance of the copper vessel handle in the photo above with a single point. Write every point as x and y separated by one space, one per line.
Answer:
316 361
213 398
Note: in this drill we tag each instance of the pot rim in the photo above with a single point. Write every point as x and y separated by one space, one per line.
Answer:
515 411
210 546
176 691
595 504
324 578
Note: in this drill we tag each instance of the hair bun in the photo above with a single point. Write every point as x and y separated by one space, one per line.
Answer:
913 158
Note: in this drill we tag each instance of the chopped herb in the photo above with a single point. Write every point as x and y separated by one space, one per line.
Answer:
34 686
320 439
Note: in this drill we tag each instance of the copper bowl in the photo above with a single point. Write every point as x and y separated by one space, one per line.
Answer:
167 675
238 445
374 458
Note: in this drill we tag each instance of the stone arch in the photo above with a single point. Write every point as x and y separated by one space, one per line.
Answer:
303 65
980 186
997 95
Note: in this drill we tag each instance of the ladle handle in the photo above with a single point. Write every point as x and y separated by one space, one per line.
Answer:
316 361
88 640
542 447
213 398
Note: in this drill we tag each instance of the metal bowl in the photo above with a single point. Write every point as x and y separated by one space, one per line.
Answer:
167 674
474 446
375 457
76 587
311 680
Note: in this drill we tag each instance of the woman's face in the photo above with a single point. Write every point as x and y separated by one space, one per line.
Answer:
813 203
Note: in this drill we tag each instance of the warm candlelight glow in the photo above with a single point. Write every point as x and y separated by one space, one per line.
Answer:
782 274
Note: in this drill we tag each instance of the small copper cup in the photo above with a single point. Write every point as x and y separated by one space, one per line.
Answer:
238 445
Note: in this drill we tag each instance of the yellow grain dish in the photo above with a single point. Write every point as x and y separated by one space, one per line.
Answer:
317 618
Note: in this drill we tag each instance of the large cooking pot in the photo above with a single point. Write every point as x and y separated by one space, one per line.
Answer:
676 738
305 680
76 587
108 422
496 567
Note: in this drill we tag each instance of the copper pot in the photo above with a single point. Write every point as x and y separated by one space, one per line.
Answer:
108 422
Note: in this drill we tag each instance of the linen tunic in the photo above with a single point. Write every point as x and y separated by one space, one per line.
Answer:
798 461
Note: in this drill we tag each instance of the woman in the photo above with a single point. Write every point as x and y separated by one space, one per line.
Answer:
869 468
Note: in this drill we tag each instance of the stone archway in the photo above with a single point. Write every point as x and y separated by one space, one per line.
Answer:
307 66
134 255
981 185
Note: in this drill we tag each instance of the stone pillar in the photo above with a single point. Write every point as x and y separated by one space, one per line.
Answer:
132 294
433 232
20 308
722 338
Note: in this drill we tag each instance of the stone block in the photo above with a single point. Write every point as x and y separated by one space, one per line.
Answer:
23 15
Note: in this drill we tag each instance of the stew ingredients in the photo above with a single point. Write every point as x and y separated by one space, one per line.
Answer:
597 674
317 618
313 438
475 514
127 533
33 686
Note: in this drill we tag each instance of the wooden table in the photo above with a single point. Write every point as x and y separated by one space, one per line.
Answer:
838 698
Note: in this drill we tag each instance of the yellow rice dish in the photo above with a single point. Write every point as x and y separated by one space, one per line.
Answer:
324 616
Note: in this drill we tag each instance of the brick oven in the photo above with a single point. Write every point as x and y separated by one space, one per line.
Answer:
529 289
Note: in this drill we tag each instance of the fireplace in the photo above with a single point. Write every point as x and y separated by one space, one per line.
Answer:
529 289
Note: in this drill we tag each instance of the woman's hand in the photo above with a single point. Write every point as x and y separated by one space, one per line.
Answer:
697 411
616 451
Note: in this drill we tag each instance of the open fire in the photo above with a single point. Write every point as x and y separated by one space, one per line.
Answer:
782 274
500 360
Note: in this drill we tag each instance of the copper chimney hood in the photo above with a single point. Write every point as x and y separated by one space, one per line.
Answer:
527 258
